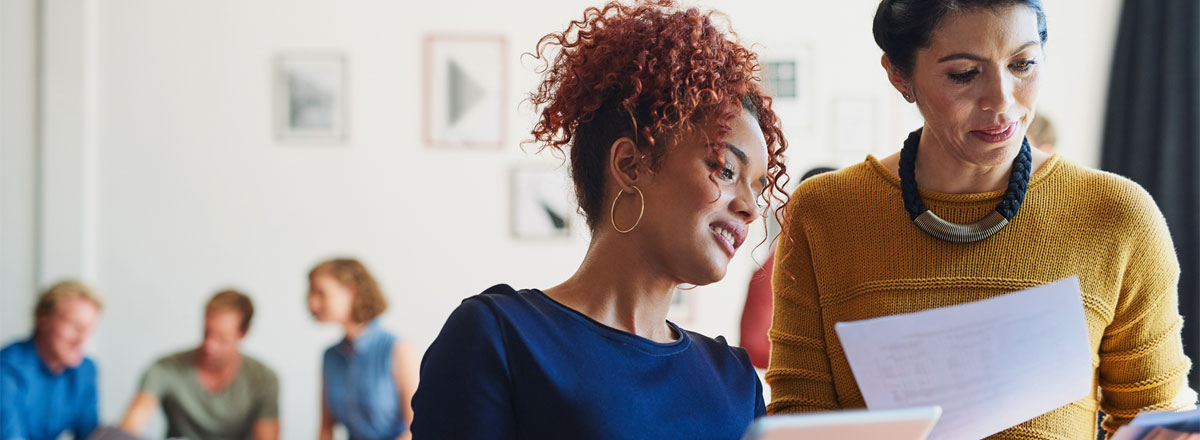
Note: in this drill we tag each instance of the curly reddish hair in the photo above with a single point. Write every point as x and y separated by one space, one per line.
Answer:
652 72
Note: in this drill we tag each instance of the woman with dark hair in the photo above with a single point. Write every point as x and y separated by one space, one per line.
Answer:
673 149
967 211
368 378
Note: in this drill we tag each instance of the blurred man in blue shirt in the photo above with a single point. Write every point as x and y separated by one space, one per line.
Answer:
47 386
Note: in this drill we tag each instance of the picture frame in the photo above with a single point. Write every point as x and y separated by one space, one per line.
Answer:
787 77
310 96
465 91
543 206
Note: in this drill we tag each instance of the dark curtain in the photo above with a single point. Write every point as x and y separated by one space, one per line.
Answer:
1152 131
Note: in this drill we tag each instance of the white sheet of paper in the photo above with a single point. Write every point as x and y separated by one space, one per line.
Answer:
989 364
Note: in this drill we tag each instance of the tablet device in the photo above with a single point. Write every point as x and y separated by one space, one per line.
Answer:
897 424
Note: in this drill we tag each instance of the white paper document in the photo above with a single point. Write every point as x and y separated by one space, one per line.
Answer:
989 364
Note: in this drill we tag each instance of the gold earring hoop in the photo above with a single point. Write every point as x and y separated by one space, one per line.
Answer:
612 214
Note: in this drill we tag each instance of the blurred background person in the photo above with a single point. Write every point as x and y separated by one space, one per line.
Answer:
212 391
368 378
1041 133
47 385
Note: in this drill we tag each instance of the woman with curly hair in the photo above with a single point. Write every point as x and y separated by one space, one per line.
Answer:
673 151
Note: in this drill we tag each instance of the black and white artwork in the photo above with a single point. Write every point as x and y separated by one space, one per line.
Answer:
779 75
542 206
310 96
787 78
464 91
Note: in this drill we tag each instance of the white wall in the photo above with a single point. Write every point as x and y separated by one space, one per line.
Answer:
193 193
18 164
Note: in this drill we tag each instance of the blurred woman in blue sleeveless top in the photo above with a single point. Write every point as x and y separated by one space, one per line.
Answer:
369 377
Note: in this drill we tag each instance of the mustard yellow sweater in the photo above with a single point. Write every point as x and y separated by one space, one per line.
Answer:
854 254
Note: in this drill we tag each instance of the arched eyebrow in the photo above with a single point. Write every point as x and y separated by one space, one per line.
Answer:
744 159
973 57
741 155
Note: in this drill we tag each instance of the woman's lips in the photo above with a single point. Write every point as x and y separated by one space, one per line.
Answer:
993 135
729 235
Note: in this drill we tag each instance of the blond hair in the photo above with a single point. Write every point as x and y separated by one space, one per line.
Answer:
369 301
49 300
232 300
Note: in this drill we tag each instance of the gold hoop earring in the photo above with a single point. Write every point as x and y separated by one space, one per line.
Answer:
612 214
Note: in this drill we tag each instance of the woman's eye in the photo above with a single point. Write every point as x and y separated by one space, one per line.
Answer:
964 77
1023 66
727 174
724 172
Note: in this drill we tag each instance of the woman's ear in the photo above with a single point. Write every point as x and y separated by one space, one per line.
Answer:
626 163
897 78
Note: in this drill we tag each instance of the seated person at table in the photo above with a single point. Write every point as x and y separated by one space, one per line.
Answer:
213 391
47 386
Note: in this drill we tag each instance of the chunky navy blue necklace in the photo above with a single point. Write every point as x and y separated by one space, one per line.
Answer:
1018 183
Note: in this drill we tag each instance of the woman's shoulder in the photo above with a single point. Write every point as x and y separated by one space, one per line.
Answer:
828 195
718 350
1103 181
488 310
498 300
836 182
1110 194
478 326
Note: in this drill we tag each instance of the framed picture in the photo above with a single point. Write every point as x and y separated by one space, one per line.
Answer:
542 204
465 91
787 77
781 78
310 96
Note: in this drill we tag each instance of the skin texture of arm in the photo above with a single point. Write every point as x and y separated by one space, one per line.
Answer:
326 432
406 373
266 430
144 404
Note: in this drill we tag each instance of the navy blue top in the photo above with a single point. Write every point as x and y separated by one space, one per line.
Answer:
38 404
359 387
517 364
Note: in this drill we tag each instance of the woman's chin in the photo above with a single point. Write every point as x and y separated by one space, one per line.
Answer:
714 272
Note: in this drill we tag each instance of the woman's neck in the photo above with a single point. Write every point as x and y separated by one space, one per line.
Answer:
354 330
939 170
618 287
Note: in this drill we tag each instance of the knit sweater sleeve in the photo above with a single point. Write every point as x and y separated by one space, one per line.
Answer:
799 372
1142 364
